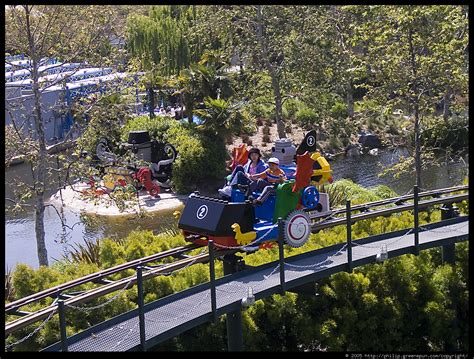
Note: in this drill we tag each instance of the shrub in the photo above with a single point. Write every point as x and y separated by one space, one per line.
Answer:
260 110
339 110
292 106
335 143
452 134
201 157
306 118
342 128
157 127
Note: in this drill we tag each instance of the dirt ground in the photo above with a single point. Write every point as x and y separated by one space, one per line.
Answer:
296 135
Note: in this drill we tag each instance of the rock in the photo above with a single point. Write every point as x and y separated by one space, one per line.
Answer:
352 150
369 140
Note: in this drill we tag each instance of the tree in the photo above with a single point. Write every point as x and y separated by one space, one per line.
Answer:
70 33
160 40
258 33
409 54
160 43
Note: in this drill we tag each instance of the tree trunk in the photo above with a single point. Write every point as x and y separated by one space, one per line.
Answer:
446 102
151 102
350 98
42 155
416 105
189 108
273 75
417 146
39 230
278 106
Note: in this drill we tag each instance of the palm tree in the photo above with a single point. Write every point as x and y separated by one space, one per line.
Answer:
221 117
207 78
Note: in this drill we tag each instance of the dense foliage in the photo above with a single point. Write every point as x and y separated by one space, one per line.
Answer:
201 155
398 71
407 303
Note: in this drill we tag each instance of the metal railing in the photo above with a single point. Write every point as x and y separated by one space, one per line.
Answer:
210 257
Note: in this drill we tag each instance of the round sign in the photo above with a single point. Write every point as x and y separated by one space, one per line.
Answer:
202 212
297 228
310 140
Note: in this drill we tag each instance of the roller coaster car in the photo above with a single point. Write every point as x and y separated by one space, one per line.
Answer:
237 222
160 157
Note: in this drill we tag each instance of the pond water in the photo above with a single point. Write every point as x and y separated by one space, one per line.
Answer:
20 242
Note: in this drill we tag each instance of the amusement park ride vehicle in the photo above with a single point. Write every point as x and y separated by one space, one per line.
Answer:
119 175
239 223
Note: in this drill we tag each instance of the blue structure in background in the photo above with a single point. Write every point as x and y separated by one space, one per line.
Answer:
78 83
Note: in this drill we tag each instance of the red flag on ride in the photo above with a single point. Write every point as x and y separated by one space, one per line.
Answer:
239 156
304 170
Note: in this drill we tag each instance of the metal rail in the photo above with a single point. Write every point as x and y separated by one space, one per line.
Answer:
99 292
387 211
93 277
366 206
168 268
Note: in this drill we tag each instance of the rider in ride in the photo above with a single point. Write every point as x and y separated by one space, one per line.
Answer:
266 180
241 174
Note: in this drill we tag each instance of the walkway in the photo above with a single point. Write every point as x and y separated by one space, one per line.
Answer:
171 316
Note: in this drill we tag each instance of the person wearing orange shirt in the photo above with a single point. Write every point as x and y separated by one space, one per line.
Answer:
266 180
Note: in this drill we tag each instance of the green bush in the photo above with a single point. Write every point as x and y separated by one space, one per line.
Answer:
201 155
260 110
339 110
292 106
342 128
451 134
201 158
157 127
306 118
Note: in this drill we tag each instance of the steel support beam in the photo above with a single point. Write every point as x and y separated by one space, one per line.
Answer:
235 342
448 251
449 256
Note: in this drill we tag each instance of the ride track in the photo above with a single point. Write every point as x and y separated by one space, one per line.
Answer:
325 221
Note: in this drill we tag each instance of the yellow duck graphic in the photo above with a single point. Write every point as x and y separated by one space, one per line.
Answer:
243 238
177 214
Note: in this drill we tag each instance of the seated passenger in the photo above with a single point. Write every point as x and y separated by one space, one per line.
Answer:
240 174
266 180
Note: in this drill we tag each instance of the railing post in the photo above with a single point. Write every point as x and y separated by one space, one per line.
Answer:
415 213
349 235
210 245
235 340
141 307
448 251
62 325
281 256
449 256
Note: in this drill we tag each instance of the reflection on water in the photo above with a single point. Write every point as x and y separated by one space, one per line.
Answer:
20 242
364 170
